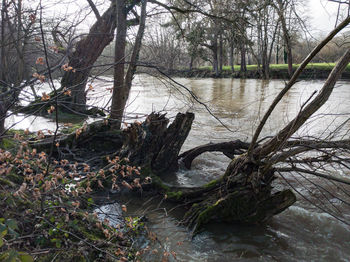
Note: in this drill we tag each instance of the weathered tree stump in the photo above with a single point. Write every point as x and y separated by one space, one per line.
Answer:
154 144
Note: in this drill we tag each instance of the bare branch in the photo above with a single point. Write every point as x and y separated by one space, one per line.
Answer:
314 173
293 80
94 9
304 115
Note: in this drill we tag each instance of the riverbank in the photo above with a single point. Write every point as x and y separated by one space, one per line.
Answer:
47 215
277 71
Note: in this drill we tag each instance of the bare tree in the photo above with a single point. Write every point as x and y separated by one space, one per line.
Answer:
122 82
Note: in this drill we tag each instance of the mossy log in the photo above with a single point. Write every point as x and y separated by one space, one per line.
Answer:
153 143
97 136
65 112
242 195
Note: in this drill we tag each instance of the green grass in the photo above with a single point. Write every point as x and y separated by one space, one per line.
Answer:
320 66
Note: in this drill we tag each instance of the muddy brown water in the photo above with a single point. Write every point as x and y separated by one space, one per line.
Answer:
301 233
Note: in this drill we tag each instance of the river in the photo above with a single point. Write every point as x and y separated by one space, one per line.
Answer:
301 233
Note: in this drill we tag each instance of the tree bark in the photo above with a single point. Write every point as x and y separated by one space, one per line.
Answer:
231 56
119 68
3 111
243 58
221 53
122 84
243 195
155 145
288 45
214 49
86 53
229 149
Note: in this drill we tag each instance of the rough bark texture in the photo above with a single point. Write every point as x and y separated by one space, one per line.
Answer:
122 81
3 111
243 59
86 53
119 96
155 144
243 196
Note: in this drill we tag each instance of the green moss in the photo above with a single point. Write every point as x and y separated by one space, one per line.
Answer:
174 195
205 216
158 183
7 143
213 183
19 132
71 129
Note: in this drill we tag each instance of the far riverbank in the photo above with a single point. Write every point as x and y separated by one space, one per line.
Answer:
280 71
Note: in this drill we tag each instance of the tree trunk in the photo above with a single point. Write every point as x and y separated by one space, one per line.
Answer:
122 85
3 45
191 63
118 96
86 53
229 149
243 59
214 49
231 56
2 119
286 36
243 195
221 53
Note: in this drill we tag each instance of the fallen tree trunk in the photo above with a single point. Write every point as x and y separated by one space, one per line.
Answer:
243 194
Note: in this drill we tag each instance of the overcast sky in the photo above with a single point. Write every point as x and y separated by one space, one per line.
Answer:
322 14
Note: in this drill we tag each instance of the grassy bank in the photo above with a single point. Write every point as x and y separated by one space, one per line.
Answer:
277 71
318 66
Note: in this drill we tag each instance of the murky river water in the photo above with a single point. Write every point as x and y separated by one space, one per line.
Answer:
302 233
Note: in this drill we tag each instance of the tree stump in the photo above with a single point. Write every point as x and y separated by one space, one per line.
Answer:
155 144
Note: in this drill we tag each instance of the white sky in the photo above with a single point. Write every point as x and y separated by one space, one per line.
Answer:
322 15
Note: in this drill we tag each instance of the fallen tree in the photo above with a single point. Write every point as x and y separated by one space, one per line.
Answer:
244 194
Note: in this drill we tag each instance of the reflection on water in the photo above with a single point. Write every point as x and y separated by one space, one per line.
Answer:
299 234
